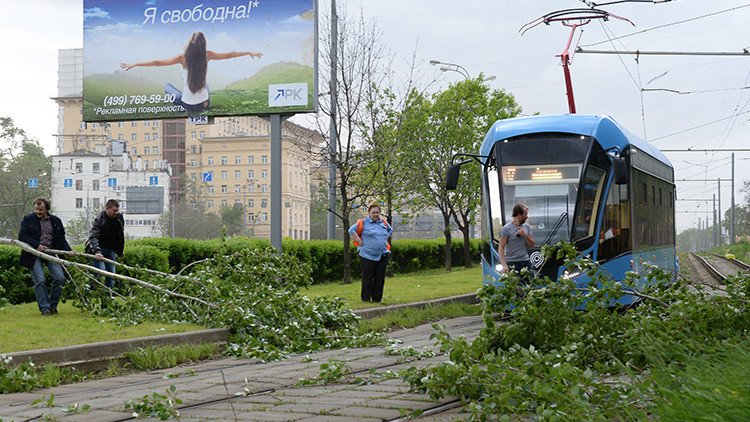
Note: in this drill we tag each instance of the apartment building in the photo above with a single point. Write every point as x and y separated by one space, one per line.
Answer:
83 181
235 151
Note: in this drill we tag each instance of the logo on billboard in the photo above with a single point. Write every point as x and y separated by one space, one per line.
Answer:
281 95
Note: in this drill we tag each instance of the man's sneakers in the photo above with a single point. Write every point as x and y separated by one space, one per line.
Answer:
53 312
46 312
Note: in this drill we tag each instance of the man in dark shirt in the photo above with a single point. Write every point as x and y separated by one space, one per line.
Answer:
107 238
42 230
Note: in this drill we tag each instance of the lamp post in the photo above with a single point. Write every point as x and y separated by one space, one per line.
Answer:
454 67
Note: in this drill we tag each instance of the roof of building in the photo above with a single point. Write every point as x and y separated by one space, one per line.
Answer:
80 153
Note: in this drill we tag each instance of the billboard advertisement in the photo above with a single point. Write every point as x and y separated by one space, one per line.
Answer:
157 59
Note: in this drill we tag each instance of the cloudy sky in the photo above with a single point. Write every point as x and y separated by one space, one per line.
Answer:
709 110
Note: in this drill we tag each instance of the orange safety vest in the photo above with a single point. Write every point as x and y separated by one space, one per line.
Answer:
361 228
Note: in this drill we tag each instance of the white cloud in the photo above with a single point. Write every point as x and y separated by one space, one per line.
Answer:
95 12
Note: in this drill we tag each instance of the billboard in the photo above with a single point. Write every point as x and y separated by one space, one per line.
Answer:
157 59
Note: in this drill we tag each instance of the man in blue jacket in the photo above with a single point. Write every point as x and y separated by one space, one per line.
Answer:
42 230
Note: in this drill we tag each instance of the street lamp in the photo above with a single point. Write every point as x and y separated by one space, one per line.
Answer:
454 67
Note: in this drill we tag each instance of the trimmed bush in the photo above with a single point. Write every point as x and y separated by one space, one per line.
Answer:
15 279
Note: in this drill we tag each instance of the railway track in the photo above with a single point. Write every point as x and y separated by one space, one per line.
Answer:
713 270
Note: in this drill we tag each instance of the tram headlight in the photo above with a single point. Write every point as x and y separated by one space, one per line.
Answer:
570 274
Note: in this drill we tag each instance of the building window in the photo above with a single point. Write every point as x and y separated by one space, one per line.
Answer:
250 159
120 124
146 150
264 187
146 136
251 174
79 167
223 203
96 203
251 188
83 125
156 123
237 159
202 134
134 137
264 159
133 124
223 188
79 202
251 203
95 168
155 136
134 151
224 174
193 163
96 125
194 149
210 189
79 184
238 174
263 203
210 204
94 185
156 150
237 188
210 161
120 137
147 123
263 217
264 174
193 135
224 160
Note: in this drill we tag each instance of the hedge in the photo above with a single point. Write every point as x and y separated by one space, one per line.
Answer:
171 255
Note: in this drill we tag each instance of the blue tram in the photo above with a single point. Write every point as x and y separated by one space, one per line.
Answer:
585 180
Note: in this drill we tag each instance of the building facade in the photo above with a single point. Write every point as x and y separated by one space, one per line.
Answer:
83 181
228 159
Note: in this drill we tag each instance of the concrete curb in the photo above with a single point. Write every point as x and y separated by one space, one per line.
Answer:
376 312
89 355
96 356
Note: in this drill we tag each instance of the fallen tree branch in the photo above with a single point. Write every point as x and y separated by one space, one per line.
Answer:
90 268
637 294
111 261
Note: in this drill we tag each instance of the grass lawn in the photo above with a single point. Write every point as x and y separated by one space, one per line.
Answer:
406 288
22 327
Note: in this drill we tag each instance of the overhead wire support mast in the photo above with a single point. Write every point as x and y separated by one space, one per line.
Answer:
572 18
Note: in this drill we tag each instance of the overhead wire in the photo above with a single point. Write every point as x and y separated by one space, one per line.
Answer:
669 24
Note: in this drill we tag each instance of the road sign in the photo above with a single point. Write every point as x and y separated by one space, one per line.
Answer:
153 180
112 182
68 183
33 183
208 176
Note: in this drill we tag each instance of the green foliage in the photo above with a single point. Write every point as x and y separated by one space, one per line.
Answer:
408 318
145 256
162 406
256 295
331 371
14 279
27 376
550 360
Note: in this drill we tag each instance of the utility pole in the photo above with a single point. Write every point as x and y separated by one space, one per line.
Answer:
718 211
714 228
331 231
731 226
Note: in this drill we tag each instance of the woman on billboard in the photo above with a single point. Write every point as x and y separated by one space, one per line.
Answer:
195 96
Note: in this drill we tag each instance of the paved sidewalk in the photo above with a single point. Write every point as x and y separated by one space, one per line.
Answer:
208 390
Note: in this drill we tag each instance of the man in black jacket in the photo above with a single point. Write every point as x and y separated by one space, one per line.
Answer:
107 238
42 230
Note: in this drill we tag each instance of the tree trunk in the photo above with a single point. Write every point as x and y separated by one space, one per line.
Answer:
448 243
467 246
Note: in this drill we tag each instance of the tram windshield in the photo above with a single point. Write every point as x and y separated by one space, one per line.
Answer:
543 172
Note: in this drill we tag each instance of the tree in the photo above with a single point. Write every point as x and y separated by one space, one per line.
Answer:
77 230
363 62
451 121
233 219
191 216
21 159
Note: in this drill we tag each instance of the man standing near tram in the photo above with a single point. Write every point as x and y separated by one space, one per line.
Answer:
515 241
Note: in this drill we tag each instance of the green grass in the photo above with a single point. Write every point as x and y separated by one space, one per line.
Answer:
22 327
408 318
168 356
406 288
712 387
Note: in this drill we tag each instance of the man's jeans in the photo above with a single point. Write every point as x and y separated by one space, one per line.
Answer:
106 266
47 301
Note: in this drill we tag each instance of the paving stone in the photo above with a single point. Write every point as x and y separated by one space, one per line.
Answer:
385 387
247 416
365 394
335 418
399 404
306 407
368 412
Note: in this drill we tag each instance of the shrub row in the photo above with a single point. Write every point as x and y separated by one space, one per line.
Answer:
171 255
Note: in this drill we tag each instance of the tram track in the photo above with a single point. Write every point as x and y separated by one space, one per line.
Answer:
713 270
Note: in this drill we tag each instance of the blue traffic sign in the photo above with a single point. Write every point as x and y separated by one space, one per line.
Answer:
112 182
208 176
68 183
153 180
33 182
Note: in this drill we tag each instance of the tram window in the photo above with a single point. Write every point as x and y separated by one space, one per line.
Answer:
653 194
660 203
644 199
614 236
670 200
